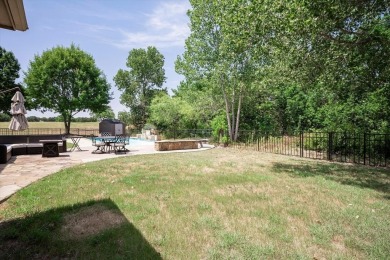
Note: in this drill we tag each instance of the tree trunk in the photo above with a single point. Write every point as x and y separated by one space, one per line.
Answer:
238 113
233 107
67 120
227 109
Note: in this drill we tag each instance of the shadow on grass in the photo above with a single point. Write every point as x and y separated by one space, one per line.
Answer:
93 230
373 178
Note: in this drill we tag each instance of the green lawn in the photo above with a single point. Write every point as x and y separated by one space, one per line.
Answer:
217 204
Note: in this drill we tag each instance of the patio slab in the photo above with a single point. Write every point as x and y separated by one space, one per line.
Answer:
23 170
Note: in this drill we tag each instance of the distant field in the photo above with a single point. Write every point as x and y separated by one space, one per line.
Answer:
82 125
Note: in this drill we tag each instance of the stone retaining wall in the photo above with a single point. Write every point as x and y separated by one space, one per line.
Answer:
168 145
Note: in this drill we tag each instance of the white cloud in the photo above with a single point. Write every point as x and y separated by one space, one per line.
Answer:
94 28
166 26
98 10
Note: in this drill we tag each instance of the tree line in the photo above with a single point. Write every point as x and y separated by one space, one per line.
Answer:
287 66
282 67
273 66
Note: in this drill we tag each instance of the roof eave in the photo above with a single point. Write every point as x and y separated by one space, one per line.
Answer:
13 16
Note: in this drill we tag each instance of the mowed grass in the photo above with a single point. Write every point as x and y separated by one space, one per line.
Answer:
81 125
216 204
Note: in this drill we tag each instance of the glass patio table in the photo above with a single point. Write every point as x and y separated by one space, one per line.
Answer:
108 140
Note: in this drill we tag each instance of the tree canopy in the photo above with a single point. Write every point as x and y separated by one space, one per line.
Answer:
141 82
66 80
284 66
108 113
169 113
9 72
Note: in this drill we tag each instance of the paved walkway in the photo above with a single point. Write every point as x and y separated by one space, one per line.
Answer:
22 170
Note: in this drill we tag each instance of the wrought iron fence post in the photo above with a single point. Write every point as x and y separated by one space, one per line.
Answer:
330 145
301 145
364 148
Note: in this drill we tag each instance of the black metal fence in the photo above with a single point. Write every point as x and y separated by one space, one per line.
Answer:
49 131
359 148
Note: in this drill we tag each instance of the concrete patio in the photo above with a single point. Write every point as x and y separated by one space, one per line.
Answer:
23 170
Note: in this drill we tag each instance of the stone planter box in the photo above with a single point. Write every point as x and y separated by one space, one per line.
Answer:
168 145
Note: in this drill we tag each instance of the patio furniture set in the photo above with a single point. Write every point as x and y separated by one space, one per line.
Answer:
105 143
47 145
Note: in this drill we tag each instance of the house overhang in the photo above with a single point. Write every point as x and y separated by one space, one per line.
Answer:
12 15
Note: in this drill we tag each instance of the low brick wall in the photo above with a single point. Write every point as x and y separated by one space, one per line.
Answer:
168 145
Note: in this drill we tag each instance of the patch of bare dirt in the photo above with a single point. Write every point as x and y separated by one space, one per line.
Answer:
90 221
338 243
207 170
317 253
247 188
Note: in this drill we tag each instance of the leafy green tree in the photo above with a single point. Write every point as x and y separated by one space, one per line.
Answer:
200 96
33 119
4 117
337 48
210 53
125 117
9 72
141 82
219 126
66 81
108 113
168 113
309 64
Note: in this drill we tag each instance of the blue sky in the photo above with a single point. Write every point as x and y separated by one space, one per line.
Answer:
107 30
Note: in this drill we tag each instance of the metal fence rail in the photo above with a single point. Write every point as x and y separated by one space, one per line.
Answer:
360 148
49 131
367 149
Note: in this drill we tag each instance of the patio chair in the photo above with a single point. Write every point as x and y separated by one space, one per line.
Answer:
120 144
107 142
100 145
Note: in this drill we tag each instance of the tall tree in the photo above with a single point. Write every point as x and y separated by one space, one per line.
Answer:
199 95
106 114
66 81
335 52
141 82
169 113
125 117
9 72
211 52
340 48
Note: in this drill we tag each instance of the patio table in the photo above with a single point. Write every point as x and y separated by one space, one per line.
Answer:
75 140
108 140
50 148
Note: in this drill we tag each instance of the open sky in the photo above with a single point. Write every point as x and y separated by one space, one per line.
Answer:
105 29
